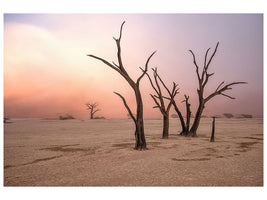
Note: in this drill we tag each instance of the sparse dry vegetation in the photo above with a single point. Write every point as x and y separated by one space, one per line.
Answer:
244 116
228 115
66 117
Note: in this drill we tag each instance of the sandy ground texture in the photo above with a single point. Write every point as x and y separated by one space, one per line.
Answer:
100 153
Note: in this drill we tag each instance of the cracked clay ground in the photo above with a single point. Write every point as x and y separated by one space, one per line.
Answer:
100 153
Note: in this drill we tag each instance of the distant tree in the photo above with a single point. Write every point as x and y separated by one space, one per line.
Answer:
247 116
140 141
202 82
228 115
93 109
159 99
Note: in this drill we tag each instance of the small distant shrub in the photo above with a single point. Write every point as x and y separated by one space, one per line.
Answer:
5 119
204 116
99 117
66 117
247 116
228 115
244 116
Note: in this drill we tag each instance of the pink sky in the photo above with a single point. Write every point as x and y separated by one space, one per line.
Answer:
47 72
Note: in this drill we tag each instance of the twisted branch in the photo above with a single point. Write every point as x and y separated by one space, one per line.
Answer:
146 68
126 106
197 68
220 91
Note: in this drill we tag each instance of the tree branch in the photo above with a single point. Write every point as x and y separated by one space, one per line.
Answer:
155 74
206 79
115 64
219 92
146 67
206 57
119 51
206 66
219 86
155 71
227 96
197 68
127 107
151 82
117 68
106 62
121 30
96 111
157 104
212 56
156 96
168 98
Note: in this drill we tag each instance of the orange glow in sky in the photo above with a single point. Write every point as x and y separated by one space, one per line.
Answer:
47 72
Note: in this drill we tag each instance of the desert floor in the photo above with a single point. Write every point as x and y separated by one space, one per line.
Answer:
84 152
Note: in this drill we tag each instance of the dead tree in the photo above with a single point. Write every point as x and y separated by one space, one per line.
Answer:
183 132
92 108
140 141
188 115
213 130
159 100
202 82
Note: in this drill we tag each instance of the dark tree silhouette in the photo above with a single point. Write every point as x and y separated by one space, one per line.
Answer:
140 141
92 107
202 82
188 115
159 99
213 130
183 132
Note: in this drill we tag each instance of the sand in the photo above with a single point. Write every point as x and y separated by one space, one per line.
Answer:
83 152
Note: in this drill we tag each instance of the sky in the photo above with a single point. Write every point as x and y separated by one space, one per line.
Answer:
47 72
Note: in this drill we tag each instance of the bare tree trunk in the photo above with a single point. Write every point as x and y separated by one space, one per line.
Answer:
165 133
188 114
140 140
213 130
193 130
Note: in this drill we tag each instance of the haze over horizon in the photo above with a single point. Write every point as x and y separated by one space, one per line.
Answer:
47 72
